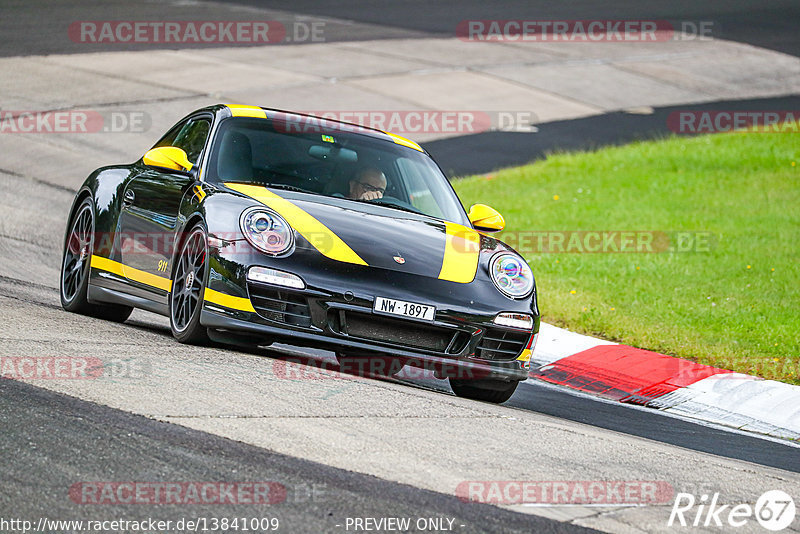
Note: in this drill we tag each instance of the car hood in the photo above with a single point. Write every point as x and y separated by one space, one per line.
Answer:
376 236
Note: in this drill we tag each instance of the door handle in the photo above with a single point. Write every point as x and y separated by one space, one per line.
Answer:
129 197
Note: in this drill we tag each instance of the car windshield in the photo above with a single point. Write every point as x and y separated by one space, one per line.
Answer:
326 159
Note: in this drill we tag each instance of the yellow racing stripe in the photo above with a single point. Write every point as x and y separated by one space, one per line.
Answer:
214 297
248 111
461 253
104 264
403 141
228 301
143 277
320 236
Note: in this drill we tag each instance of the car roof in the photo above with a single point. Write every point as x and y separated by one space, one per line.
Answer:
239 110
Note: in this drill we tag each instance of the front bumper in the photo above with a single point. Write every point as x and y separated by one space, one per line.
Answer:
335 312
513 370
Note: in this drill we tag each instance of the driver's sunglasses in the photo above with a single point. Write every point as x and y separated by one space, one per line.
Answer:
372 188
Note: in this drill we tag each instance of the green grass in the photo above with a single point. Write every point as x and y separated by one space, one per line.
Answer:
735 306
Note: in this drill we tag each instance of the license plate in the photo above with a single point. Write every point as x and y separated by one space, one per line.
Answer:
404 309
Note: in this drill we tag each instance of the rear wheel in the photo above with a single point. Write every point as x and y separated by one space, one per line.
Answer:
76 265
487 390
188 288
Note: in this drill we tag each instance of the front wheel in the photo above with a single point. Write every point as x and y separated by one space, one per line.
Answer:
487 390
188 288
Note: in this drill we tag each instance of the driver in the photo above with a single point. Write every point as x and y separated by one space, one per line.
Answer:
369 184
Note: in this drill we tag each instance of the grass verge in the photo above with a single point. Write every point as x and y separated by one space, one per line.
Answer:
722 215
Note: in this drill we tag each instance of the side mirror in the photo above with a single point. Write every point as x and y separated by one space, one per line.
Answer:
485 218
168 157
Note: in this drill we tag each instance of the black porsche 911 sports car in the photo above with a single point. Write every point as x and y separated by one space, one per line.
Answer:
258 225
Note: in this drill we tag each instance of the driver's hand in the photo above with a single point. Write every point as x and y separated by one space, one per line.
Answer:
371 195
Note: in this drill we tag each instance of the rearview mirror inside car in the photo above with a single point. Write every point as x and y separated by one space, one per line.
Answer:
333 153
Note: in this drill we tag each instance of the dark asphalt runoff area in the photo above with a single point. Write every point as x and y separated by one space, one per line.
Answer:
489 151
770 24
51 441
41 26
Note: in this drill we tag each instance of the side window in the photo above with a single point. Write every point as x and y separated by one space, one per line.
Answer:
170 136
192 138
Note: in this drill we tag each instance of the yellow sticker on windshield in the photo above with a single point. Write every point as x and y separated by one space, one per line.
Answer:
328 139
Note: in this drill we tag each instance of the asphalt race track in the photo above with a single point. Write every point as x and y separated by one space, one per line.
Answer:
488 151
340 446
80 440
32 27
769 25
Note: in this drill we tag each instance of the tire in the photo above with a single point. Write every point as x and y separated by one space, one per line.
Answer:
486 390
366 365
76 266
188 287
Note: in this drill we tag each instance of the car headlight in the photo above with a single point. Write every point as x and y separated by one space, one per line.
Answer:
512 275
267 231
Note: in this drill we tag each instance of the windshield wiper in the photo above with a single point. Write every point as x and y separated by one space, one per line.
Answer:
391 204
